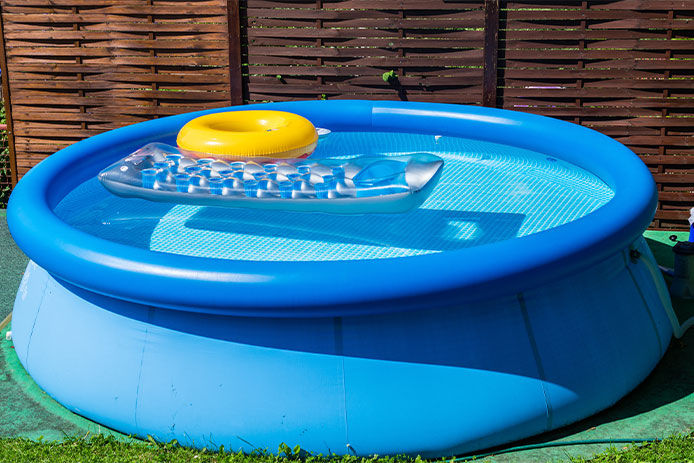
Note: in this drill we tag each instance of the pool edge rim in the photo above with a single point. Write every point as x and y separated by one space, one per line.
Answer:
128 273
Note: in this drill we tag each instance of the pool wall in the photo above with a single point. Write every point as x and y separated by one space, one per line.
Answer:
431 382
432 355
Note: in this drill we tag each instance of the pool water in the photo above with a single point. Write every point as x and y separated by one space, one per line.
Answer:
488 192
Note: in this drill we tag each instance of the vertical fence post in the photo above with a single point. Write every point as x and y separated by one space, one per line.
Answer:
8 106
491 47
234 39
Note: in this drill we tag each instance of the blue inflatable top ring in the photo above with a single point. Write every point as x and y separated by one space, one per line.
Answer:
338 287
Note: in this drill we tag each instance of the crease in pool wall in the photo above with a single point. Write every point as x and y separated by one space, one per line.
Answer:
615 326
339 350
404 384
648 278
23 329
241 395
90 347
174 395
536 356
628 259
145 340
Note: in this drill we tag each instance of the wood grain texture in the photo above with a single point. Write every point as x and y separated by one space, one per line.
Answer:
491 48
622 67
77 68
433 50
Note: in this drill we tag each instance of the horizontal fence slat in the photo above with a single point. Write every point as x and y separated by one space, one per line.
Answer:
595 45
648 5
418 5
622 67
80 67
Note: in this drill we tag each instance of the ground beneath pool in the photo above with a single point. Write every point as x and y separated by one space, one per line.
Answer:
663 405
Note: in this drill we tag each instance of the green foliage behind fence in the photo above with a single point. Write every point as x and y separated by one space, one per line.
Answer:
5 174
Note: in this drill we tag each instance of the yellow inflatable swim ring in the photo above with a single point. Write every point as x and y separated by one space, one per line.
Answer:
248 134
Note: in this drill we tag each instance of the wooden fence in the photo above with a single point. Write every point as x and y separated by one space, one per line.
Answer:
73 68
76 68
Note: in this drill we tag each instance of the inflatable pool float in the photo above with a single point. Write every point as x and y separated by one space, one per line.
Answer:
258 159
254 133
360 185
519 297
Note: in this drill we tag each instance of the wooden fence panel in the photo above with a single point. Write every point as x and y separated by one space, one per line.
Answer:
310 49
622 67
79 67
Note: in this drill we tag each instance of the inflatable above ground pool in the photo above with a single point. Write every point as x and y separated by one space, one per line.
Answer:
517 297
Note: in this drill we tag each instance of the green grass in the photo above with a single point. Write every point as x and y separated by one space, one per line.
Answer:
679 449
108 449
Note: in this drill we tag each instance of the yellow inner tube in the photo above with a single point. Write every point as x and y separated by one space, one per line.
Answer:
247 134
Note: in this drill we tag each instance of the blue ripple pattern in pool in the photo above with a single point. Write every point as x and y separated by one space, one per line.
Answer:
488 192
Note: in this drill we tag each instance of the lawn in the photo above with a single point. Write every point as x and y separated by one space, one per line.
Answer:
109 449
678 449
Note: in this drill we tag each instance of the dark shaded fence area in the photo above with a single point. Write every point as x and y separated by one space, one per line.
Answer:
74 68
